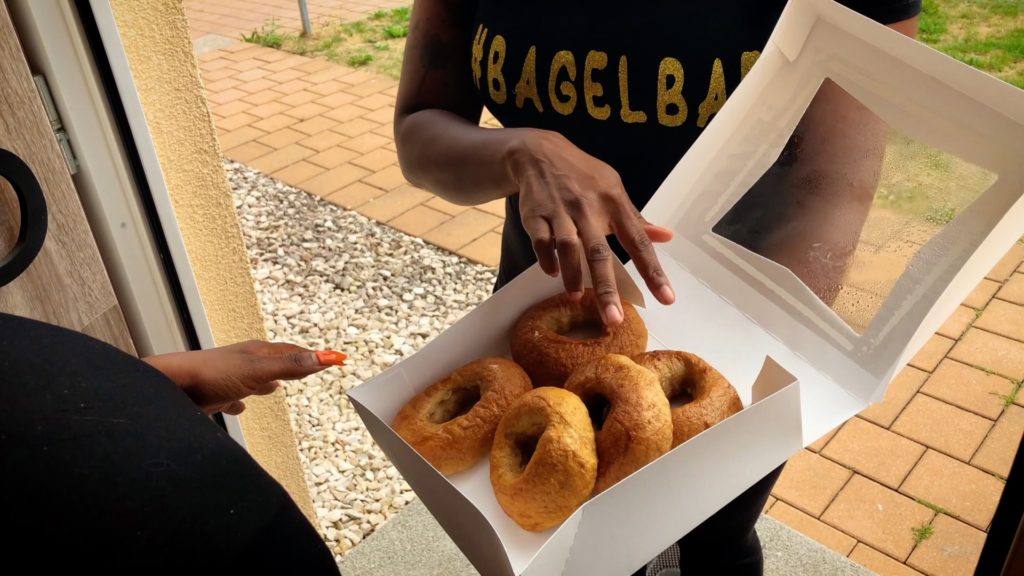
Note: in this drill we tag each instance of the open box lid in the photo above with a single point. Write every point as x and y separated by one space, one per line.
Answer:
917 92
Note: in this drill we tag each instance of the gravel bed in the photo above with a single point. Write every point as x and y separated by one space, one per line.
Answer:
327 277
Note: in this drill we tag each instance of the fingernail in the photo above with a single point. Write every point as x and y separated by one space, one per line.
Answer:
330 358
576 295
666 295
612 314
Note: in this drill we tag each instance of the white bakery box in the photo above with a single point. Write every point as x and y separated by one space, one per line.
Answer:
800 368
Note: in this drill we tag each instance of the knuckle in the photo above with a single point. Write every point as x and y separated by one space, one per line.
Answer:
598 250
567 243
530 213
604 192
608 175
641 241
604 289
574 203
254 346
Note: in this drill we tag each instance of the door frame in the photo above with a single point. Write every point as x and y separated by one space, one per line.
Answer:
77 47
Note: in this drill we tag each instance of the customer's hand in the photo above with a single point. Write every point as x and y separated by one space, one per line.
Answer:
570 202
218 379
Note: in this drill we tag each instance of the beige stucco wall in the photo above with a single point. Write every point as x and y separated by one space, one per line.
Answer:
156 40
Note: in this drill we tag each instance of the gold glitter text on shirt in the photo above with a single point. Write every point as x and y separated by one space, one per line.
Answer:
478 54
671 95
527 85
595 85
495 79
563 59
591 90
716 95
628 116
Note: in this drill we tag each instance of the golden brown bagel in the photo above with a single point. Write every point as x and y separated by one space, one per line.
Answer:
452 423
543 462
637 428
708 396
540 343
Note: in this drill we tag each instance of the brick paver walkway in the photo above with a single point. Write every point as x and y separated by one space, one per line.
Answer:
935 452
327 129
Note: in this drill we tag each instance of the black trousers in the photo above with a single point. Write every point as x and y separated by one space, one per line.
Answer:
726 543
106 464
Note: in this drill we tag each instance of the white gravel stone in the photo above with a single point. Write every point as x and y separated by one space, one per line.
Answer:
329 278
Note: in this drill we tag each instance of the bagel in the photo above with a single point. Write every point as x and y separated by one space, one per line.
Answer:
707 397
541 340
543 461
630 414
452 422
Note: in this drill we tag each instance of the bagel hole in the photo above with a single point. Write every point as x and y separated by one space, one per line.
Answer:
584 329
681 398
526 445
598 407
458 402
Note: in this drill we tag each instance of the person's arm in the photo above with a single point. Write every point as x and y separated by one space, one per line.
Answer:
569 200
827 187
440 145
218 379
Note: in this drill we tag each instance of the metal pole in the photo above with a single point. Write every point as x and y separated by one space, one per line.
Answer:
307 28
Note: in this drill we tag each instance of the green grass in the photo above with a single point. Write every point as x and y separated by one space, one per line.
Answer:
927 183
376 42
987 34
359 59
1009 399
940 214
922 533
932 23
933 507
269 36
924 182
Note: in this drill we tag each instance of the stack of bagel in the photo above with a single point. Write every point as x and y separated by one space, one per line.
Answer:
569 415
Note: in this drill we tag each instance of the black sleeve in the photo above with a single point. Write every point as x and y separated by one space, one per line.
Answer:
885 11
96 442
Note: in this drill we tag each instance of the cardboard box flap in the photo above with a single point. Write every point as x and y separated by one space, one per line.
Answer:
930 107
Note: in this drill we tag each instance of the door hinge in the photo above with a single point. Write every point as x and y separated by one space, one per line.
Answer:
63 141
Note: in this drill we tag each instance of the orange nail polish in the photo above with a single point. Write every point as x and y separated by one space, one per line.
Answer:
331 358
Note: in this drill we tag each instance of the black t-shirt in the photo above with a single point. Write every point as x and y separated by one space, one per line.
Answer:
630 83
